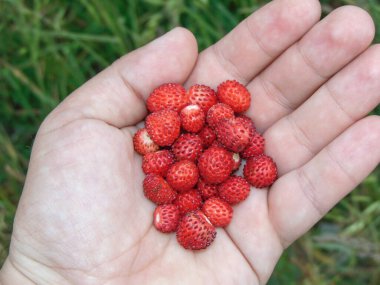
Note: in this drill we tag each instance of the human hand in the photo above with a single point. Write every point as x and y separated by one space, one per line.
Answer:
83 218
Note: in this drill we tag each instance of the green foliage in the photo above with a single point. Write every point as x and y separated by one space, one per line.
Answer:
50 47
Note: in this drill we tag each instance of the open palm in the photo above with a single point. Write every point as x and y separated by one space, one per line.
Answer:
83 218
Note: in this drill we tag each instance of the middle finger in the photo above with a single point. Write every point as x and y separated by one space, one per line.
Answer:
306 65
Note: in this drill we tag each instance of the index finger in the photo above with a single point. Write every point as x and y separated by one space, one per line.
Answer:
255 42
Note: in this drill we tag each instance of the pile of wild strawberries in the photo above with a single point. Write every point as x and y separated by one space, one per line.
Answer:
192 144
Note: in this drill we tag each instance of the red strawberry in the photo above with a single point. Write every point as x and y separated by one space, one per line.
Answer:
234 94
166 218
171 96
195 231
157 162
255 146
192 118
219 212
215 165
207 190
217 144
187 146
237 161
203 96
142 142
248 123
183 175
217 112
260 171
207 136
234 190
163 127
188 201
232 134
158 190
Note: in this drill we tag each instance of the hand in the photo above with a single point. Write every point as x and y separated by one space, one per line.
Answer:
83 218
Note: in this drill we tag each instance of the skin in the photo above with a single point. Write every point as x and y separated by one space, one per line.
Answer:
82 217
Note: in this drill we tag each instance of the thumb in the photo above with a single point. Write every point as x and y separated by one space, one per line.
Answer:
116 95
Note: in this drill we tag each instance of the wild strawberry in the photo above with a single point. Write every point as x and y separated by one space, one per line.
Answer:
195 231
218 211
255 146
217 112
163 127
215 165
183 175
232 134
203 96
234 94
207 190
248 123
192 118
187 146
171 96
158 162
188 201
217 143
196 139
237 161
234 190
260 171
207 136
158 190
166 218
142 142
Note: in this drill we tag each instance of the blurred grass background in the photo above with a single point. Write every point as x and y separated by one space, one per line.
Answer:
50 47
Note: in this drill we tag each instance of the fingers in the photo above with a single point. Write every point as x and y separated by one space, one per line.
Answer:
255 42
306 65
116 95
300 198
347 97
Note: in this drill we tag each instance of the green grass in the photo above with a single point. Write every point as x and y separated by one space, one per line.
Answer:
50 47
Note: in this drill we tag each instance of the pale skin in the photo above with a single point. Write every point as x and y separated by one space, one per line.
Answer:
83 218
